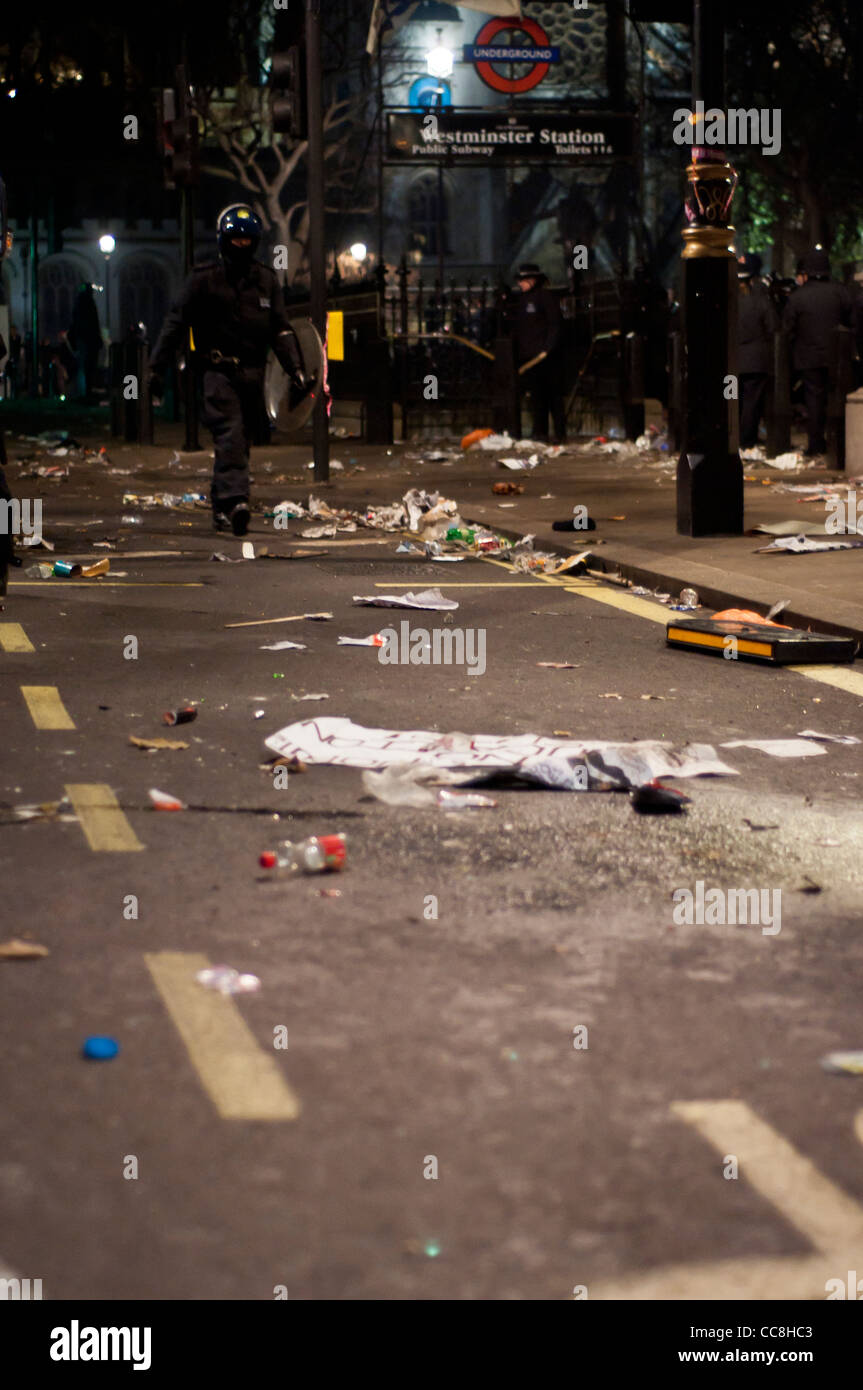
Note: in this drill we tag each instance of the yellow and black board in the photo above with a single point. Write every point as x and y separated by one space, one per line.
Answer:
779 646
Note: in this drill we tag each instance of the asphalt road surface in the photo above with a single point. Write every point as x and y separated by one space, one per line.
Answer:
435 1009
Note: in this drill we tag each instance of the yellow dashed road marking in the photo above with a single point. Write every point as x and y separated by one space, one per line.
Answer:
808 1201
815 1206
13 638
46 708
243 1081
102 820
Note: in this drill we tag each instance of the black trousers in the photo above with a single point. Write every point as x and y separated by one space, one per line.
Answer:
545 384
753 386
816 386
233 403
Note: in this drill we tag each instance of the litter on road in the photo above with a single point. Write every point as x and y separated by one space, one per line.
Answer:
654 799
318 854
99 1049
185 715
155 744
827 738
777 747
375 640
851 1063
294 618
407 784
225 980
163 801
429 600
284 647
22 950
800 545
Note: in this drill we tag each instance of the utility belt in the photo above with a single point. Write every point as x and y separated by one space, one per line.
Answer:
214 360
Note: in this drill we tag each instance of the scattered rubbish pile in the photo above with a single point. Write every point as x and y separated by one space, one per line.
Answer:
64 569
186 501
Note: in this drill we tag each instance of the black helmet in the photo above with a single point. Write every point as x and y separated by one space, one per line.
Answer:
238 220
816 264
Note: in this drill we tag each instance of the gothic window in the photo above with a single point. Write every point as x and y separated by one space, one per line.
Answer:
427 218
59 279
143 295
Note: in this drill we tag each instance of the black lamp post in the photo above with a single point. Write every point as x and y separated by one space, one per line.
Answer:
709 471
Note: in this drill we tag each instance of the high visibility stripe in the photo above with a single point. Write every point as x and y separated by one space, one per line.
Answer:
712 639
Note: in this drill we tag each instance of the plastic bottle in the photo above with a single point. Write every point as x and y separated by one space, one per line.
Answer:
318 854
459 533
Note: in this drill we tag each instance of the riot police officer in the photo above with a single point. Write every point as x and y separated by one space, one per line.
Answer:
235 309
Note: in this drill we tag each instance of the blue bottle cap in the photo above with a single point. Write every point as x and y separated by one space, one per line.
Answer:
100 1048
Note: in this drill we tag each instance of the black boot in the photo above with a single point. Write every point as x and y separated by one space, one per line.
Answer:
232 514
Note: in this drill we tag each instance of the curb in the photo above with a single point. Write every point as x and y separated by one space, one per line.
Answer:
716 598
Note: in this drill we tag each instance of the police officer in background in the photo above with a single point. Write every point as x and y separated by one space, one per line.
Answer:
814 312
756 324
236 311
538 327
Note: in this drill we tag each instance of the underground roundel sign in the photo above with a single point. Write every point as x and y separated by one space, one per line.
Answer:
538 54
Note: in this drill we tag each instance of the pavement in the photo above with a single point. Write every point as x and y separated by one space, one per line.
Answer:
436 1127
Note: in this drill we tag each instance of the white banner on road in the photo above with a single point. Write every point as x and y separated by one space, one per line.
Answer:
345 744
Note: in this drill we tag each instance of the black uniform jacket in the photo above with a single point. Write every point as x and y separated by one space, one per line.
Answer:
756 323
240 317
812 314
538 321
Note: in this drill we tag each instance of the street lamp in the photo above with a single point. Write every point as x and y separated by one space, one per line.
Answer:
359 250
439 60
106 246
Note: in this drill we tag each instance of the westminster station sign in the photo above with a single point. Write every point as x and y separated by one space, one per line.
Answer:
482 137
